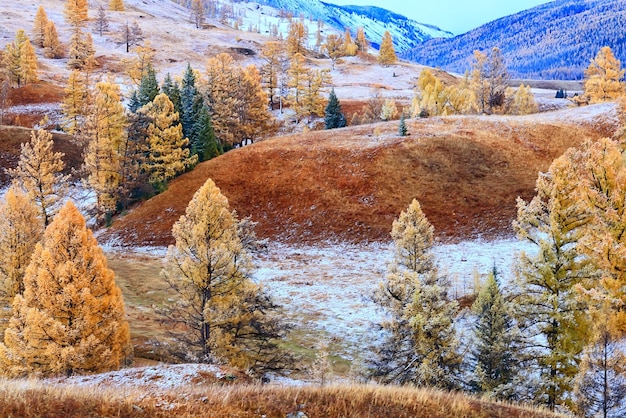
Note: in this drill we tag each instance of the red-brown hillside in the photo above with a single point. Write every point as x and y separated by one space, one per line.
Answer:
350 184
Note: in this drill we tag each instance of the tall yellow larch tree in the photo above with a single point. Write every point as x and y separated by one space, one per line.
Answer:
51 44
116 5
298 73
430 96
74 103
19 60
349 47
220 314
254 117
604 78
70 319
197 12
39 26
105 130
273 55
333 47
296 38
524 101
76 12
387 53
28 63
313 101
39 172
81 49
20 230
361 40
168 151
489 80
137 66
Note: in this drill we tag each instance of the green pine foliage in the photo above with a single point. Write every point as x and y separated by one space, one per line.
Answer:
402 129
205 144
333 117
172 90
493 356
188 102
149 87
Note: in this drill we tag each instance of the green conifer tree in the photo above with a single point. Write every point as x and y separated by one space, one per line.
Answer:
333 117
149 87
402 129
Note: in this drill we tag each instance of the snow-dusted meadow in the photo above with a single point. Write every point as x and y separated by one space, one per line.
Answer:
325 289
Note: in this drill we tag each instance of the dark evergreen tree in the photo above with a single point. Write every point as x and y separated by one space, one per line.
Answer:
402 129
133 103
188 101
172 90
149 87
334 118
206 145
493 356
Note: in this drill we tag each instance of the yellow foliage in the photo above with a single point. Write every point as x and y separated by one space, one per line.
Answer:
387 53
524 101
116 5
604 77
70 318
168 153
74 102
39 26
52 46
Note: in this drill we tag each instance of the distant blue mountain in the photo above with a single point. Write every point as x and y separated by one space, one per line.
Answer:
552 41
406 33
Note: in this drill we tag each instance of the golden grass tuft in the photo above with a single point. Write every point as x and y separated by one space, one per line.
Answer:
32 398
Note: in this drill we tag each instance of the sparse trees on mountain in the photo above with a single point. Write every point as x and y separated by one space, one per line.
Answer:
38 172
524 101
19 60
220 314
420 340
116 5
604 78
333 117
168 153
197 12
387 53
102 21
52 46
494 355
548 308
105 131
20 230
70 318
39 26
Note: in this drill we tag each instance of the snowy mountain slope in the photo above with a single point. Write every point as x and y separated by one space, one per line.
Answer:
553 41
406 32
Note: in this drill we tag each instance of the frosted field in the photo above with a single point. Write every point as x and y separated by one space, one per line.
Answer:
325 289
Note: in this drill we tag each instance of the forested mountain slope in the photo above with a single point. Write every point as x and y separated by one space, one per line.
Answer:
552 41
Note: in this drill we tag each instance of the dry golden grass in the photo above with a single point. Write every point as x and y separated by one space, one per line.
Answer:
31 398
349 184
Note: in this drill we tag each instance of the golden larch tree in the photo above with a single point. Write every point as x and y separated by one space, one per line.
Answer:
273 55
116 5
19 60
197 12
20 230
39 172
70 319
604 78
524 101
168 153
313 102
105 131
76 12
297 73
39 26
361 40
296 38
221 314
137 67
75 102
51 44
28 63
81 49
387 53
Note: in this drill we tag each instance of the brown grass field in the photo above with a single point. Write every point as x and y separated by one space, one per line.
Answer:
350 184
30 398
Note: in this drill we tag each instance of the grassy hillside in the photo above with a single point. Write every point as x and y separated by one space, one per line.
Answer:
350 184
20 398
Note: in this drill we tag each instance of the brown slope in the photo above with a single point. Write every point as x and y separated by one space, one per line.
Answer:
350 184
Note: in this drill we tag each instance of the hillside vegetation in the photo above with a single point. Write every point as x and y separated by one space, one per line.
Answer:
350 184
553 41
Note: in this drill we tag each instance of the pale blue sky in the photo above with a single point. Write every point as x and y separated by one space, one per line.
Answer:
456 16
